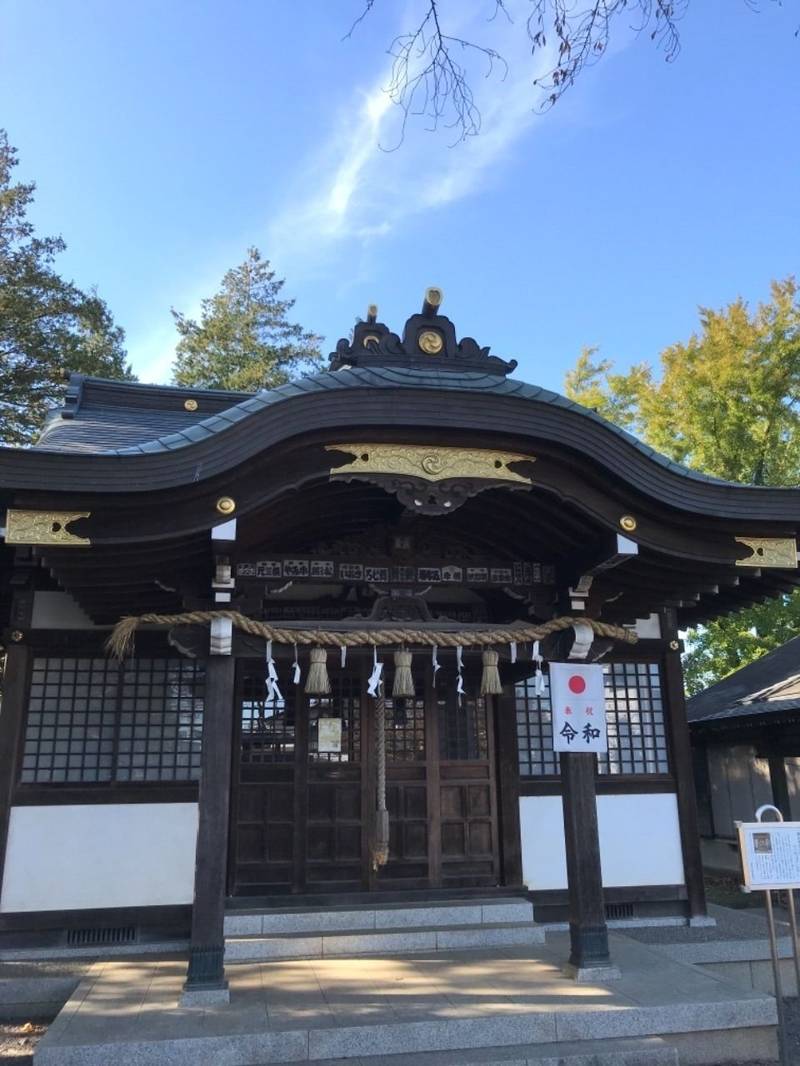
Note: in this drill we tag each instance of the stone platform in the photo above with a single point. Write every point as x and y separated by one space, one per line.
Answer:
507 1006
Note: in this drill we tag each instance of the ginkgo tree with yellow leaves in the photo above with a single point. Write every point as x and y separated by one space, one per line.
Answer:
726 402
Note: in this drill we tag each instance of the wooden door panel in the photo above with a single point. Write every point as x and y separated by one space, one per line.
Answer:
467 798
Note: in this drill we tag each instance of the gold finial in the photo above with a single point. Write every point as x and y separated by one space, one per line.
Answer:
432 301
226 505
372 313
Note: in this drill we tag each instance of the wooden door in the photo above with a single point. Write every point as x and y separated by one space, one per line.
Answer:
296 811
302 817
467 809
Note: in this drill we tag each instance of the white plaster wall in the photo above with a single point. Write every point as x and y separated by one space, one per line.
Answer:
58 610
640 840
99 855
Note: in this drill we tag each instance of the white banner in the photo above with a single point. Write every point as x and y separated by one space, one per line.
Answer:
577 698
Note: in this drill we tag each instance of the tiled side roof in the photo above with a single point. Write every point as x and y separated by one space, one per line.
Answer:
741 692
116 417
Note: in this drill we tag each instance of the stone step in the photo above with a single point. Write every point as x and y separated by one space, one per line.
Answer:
386 942
530 1038
477 912
648 1051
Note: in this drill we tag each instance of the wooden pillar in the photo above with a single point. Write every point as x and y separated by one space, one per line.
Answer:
588 932
777 778
15 693
206 954
205 979
682 766
508 786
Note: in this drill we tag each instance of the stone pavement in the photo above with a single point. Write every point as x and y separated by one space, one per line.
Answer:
127 1012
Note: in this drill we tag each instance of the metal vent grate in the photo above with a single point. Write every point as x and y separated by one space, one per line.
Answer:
119 934
619 910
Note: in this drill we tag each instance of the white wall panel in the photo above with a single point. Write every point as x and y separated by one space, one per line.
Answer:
99 855
640 841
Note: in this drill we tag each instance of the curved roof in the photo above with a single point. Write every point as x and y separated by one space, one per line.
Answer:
104 422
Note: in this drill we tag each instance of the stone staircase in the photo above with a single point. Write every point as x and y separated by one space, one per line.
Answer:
379 929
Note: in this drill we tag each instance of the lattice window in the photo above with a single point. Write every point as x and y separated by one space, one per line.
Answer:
405 729
69 733
463 727
92 720
343 703
268 727
161 720
637 741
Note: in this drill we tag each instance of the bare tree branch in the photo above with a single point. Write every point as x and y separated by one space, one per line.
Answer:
430 70
427 81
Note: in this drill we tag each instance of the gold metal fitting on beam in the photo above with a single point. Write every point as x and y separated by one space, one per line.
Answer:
628 523
17 635
431 462
190 405
226 505
44 527
780 552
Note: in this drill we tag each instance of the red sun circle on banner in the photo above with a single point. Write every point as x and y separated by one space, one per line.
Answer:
576 684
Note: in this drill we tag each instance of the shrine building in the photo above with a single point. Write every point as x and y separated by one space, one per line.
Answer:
330 689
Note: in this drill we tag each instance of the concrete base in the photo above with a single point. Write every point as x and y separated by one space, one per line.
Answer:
513 1002
205 997
702 921
586 975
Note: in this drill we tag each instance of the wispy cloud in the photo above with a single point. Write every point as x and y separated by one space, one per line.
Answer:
350 192
361 193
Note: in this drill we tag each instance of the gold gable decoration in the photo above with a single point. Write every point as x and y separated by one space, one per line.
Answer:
430 462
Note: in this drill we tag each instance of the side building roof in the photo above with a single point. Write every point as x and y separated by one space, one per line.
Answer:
768 685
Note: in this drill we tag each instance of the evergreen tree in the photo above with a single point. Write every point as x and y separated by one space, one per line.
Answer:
726 403
243 339
48 326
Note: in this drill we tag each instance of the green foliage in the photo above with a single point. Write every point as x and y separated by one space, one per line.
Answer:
48 326
726 403
244 340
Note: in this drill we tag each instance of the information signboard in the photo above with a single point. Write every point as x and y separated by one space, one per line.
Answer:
577 699
770 854
329 735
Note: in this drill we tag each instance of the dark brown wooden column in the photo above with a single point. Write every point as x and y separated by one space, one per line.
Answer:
682 766
15 692
777 778
588 932
508 786
206 975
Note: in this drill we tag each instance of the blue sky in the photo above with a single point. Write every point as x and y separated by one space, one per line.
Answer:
166 138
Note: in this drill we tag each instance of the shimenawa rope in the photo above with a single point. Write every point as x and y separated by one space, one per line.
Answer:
120 642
